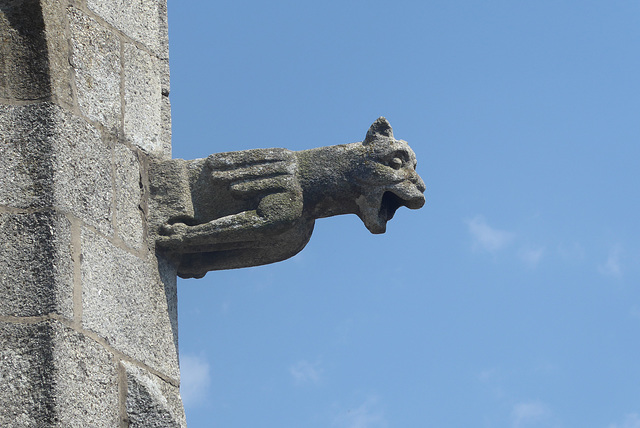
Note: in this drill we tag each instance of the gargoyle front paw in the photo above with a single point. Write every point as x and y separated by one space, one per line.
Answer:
173 229
171 235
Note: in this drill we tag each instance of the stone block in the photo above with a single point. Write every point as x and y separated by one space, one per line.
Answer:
26 375
26 155
51 158
83 183
36 268
33 57
163 30
143 100
165 140
126 303
60 70
165 76
52 376
96 60
129 219
138 19
152 402
24 62
86 387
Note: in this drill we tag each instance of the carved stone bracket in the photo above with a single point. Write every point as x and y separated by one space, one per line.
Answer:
254 207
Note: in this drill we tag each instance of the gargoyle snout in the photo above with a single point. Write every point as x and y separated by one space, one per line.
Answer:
417 180
415 202
418 200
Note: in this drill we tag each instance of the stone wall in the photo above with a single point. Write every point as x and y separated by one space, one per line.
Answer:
87 312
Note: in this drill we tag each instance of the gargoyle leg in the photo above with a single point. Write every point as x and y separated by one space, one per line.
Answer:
275 213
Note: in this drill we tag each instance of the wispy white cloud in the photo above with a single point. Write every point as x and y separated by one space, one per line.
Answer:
492 380
195 378
487 375
367 415
632 420
531 256
225 307
305 372
571 252
613 264
486 237
530 414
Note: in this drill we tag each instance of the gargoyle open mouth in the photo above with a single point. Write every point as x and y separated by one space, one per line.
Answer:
375 215
389 205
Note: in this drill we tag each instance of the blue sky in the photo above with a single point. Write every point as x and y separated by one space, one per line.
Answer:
512 299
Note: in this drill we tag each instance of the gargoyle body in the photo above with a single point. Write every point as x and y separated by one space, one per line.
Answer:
255 207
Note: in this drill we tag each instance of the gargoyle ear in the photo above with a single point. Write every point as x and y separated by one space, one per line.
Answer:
379 129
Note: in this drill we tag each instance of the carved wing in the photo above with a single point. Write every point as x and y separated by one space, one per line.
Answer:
251 172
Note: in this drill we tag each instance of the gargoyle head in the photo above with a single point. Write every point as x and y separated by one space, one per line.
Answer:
387 178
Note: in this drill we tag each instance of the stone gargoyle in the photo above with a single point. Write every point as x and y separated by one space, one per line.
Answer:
254 207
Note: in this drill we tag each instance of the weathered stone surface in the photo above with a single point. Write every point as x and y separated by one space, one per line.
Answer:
165 137
152 402
24 59
165 113
26 375
129 219
84 87
50 158
143 100
33 62
60 70
138 19
82 179
259 206
163 30
168 277
86 382
51 376
96 60
36 269
26 155
125 302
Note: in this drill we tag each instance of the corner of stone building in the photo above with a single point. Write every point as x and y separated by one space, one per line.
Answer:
88 314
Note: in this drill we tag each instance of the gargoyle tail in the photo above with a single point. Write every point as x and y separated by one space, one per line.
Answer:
379 129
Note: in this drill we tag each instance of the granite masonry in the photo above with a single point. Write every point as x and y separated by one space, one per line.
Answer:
87 309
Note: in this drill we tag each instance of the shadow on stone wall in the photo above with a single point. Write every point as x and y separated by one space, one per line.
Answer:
25 76
24 57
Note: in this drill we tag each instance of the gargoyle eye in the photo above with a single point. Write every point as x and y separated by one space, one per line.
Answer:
395 163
